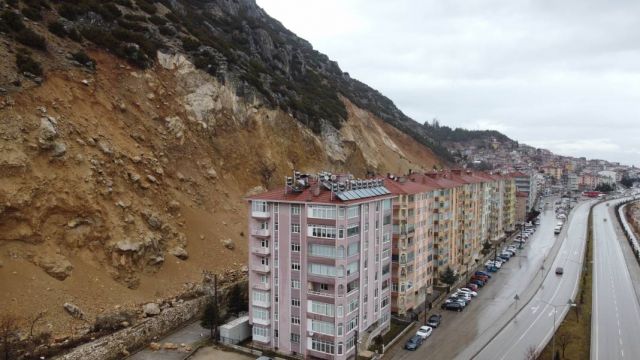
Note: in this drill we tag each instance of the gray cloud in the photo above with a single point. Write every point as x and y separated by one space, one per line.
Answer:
563 75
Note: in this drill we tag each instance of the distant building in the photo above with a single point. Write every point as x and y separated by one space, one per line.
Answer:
521 207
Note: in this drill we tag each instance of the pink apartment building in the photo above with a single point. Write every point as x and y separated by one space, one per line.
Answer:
320 265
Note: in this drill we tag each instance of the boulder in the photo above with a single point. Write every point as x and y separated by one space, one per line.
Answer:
173 206
229 244
73 310
57 266
169 346
105 147
151 309
179 252
48 133
59 149
211 173
155 346
154 222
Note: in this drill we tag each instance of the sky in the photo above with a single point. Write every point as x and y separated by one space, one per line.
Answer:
563 75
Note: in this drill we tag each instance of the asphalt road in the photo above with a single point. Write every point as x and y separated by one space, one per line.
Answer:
494 302
616 316
533 326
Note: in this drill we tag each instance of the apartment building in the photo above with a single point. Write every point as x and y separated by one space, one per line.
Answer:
320 265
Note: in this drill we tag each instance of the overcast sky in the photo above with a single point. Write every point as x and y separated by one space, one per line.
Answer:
558 74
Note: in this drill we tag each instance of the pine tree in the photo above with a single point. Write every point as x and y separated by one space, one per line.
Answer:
449 277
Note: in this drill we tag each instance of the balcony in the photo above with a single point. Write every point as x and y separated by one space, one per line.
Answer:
262 233
264 269
263 304
259 250
259 338
260 214
264 322
323 294
261 286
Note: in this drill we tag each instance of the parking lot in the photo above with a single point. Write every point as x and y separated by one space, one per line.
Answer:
493 301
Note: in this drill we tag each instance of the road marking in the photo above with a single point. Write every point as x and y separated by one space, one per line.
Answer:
534 309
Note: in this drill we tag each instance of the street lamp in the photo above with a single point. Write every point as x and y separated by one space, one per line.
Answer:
569 303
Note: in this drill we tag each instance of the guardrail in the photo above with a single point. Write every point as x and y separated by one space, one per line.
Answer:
626 228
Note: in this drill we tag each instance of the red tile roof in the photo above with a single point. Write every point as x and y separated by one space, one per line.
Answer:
306 196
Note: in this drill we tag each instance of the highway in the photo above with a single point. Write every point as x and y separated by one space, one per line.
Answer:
616 316
533 326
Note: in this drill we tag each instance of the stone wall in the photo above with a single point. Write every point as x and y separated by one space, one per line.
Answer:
116 345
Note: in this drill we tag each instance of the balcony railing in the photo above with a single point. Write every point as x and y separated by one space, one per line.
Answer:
263 304
261 268
261 286
260 232
260 214
265 322
323 294
259 250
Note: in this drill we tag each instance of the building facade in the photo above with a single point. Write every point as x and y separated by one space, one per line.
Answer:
320 265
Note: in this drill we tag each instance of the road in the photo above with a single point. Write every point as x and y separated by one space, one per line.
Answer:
533 326
493 306
616 315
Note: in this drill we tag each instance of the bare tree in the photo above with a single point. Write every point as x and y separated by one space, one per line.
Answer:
564 339
531 353
8 334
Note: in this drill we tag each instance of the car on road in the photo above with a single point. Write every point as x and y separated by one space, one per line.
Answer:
434 320
559 270
424 331
452 306
413 343
558 229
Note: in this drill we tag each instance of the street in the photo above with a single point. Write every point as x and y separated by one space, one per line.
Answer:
533 327
616 316
463 334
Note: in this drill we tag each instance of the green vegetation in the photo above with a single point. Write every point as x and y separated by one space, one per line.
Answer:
84 59
605 188
26 63
448 276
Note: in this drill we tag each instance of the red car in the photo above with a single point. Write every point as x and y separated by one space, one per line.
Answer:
484 278
473 287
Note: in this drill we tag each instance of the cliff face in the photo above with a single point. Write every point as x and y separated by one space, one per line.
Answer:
122 173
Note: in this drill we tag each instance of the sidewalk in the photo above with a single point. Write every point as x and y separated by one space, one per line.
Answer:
189 335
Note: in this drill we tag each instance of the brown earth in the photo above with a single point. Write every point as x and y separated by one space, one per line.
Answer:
104 175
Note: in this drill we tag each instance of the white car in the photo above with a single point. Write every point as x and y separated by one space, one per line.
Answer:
463 295
468 291
424 331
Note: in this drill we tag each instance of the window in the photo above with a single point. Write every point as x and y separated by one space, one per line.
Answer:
320 308
260 313
327 251
260 296
264 243
353 230
259 206
258 331
353 212
322 212
353 267
295 228
340 329
295 266
353 305
386 220
275 226
295 338
295 209
385 302
323 346
366 226
324 270
295 284
353 249
264 279
321 231
351 342
352 324
295 302
386 204
339 311
264 261
324 287
295 320
295 247
322 327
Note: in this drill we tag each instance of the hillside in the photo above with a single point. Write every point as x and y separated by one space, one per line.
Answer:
125 155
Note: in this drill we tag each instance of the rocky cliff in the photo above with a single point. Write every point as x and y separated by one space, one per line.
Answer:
130 132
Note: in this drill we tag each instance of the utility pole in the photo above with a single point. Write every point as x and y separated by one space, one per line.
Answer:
214 328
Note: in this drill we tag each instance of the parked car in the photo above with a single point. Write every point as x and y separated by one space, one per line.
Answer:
491 268
452 299
424 331
483 273
468 291
463 295
480 277
413 343
264 358
452 306
478 282
559 270
434 320
473 287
